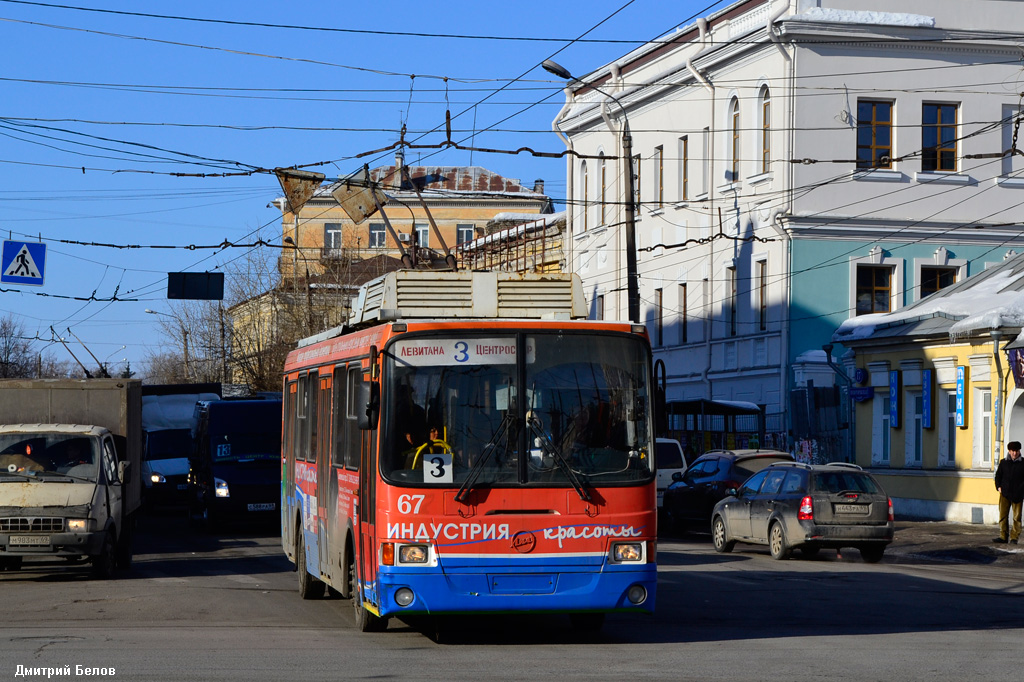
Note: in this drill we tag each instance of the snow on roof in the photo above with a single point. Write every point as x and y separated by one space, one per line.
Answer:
846 16
991 299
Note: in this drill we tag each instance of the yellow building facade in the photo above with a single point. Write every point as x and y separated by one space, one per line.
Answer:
936 395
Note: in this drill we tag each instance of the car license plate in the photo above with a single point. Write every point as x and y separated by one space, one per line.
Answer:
852 509
262 506
29 540
183 486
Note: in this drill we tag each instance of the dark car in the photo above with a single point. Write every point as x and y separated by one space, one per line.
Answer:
235 465
799 506
688 502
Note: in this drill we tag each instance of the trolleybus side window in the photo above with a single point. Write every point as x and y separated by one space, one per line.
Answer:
312 415
353 436
340 418
291 391
301 424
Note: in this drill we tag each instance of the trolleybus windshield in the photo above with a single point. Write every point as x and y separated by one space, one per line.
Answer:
539 409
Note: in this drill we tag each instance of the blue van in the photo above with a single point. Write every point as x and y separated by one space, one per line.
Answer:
235 465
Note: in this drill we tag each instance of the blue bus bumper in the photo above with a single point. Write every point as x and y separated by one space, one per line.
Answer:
507 589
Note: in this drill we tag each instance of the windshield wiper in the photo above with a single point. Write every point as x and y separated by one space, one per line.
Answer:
30 477
59 474
488 449
550 448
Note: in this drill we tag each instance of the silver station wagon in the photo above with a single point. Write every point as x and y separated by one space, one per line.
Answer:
799 506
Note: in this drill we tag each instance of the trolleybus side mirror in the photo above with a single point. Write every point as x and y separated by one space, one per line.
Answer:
368 397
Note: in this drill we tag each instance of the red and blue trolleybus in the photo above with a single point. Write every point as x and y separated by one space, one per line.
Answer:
467 445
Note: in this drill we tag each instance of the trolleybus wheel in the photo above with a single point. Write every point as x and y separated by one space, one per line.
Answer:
309 587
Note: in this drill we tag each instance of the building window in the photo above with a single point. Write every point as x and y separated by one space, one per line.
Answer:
766 130
733 298
915 430
734 128
983 430
880 434
659 318
705 170
585 193
599 307
377 235
422 235
762 295
705 304
947 429
684 169
938 137
332 235
874 134
874 289
464 233
935 277
684 316
659 176
602 171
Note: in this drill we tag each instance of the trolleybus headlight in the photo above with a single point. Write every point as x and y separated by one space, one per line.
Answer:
628 552
412 554
157 478
404 596
221 488
637 594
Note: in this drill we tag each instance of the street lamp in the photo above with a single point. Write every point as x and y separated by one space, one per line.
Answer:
632 278
184 336
103 365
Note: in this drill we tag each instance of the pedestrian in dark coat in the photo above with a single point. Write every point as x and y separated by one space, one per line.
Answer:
1010 484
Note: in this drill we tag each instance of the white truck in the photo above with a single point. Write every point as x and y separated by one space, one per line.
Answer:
70 471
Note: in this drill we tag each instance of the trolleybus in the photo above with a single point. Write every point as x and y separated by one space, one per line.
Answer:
467 444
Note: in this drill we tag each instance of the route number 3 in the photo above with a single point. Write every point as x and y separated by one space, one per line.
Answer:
437 468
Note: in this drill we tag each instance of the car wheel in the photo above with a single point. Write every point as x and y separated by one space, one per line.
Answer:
104 562
309 587
777 542
720 537
872 555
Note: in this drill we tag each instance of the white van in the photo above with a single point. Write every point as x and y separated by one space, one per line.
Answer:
668 456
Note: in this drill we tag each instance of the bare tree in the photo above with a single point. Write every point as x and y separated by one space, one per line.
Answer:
16 358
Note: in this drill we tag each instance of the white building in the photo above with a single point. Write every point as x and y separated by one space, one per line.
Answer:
797 162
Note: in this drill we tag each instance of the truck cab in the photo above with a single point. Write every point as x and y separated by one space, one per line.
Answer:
62 494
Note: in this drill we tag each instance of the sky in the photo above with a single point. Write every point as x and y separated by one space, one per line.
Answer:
110 120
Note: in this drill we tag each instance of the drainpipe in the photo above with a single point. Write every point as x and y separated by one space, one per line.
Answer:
773 35
702 28
787 240
567 239
997 335
841 373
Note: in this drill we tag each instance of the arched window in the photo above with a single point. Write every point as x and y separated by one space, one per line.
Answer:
766 130
603 192
584 194
734 128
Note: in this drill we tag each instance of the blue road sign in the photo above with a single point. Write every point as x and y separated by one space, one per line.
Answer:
23 263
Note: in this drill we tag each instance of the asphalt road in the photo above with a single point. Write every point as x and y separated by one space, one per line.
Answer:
225 607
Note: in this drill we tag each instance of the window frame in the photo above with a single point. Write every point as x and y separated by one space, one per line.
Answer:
684 168
931 155
734 145
877 152
766 129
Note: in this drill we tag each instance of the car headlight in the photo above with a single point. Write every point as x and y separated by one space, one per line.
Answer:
413 554
221 488
78 525
628 552
157 478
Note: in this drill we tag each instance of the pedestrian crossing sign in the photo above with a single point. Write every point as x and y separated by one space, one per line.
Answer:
22 263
